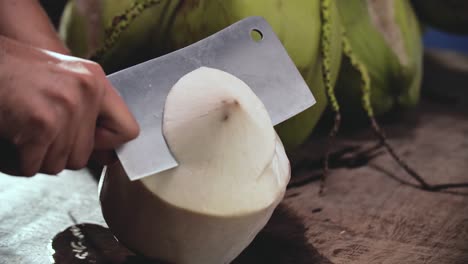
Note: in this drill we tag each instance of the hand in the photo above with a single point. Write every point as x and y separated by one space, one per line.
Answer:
49 108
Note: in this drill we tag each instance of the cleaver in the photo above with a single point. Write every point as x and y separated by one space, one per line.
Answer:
261 62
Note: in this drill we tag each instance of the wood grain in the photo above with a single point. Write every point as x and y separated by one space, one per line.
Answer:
372 212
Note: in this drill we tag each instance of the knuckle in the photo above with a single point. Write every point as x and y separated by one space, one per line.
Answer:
80 159
30 161
28 172
52 167
77 163
69 102
81 153
44 125
89 84
96 68
53 170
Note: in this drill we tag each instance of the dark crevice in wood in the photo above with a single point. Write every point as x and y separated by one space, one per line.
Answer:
350 157
297 182
442 188
291 195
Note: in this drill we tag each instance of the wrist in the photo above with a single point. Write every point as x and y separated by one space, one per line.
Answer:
36 30
54 44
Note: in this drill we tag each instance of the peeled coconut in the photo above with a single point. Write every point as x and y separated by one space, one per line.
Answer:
233 172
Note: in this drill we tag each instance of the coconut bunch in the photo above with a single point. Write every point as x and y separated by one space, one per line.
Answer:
131 31
381 40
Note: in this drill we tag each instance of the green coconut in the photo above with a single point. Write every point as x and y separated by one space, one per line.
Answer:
382 69
123 31
138 30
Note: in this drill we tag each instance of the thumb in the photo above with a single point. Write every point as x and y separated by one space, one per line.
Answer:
115 124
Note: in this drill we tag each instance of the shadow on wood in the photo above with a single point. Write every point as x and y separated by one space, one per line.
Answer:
282 241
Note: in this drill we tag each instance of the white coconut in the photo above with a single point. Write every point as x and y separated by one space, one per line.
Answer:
233 172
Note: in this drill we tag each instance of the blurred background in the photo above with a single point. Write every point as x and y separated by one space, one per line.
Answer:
433 38
437 39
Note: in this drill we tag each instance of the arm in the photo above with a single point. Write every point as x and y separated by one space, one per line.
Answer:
27 22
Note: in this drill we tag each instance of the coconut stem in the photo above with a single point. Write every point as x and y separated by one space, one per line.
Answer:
383 139
331 141
422 183
326 71
366 95
120 23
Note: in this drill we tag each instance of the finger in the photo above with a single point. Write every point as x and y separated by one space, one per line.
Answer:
83 143
86 125
116 125
56 157
31 156
68 114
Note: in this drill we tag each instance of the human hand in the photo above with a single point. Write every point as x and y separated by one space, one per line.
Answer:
49 107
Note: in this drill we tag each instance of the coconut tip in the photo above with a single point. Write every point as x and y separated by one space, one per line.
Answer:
229 107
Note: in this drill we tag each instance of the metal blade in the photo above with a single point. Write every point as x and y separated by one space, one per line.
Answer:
264 65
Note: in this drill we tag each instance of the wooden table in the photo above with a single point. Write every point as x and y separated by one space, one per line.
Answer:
372 212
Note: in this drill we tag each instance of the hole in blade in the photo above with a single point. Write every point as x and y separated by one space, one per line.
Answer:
256 35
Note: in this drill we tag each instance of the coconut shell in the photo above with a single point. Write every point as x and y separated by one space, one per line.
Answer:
385 41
